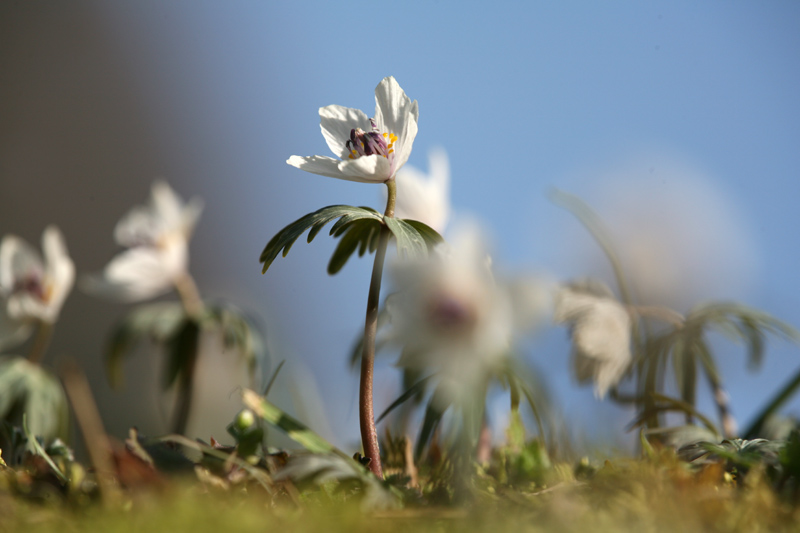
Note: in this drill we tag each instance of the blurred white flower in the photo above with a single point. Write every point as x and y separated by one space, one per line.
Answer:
425 197
368 150
452 317
33 288
679 234
157 237
601 330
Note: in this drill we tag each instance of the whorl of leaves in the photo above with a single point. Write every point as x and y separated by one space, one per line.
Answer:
687 345
359 229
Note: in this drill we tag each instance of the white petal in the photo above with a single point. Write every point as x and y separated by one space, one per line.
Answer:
60 271
336 123
439 168
532 301
366 169
393 108
318 164
167 205
425 198
138 274
405 143
601 329
164 214
12 332
23 306
17 259
396 113
190 214
136 227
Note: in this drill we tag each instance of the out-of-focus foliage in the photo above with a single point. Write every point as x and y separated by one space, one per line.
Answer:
167 326
657 336
733 485
28 389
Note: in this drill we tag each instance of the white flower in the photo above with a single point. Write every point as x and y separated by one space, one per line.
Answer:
368 150
425 198
157 237
451 316
33 288
601 330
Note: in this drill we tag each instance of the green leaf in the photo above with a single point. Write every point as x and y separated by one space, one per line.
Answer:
28 391
776 402
437 405
357 234
430 235
409 241
647 449
182 353
413 390
313 222
239 334
296 431
38 450
158 322
662 403
742 323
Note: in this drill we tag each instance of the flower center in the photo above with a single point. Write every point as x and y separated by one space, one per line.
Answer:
451 314
370 142
34 285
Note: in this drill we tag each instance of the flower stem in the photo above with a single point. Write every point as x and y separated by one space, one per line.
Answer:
369 435
183 406
194 307
91 426
42 341
190 296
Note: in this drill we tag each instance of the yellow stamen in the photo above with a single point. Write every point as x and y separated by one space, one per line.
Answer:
390 145
385 135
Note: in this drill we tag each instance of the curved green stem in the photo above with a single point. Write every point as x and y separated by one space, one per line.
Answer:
369 434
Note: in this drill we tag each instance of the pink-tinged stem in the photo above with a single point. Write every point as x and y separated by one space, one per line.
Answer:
369 435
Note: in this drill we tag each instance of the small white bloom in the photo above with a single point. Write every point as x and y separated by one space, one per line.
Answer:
425 197
368 150
601 330
451 316
34 288
157 237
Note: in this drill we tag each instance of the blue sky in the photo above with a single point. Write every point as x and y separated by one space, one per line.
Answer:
524 96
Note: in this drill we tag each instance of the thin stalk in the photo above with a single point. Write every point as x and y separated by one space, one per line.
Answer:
721 399
183 407
366 412
194 307
91 426
190 296
594 226
42 341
